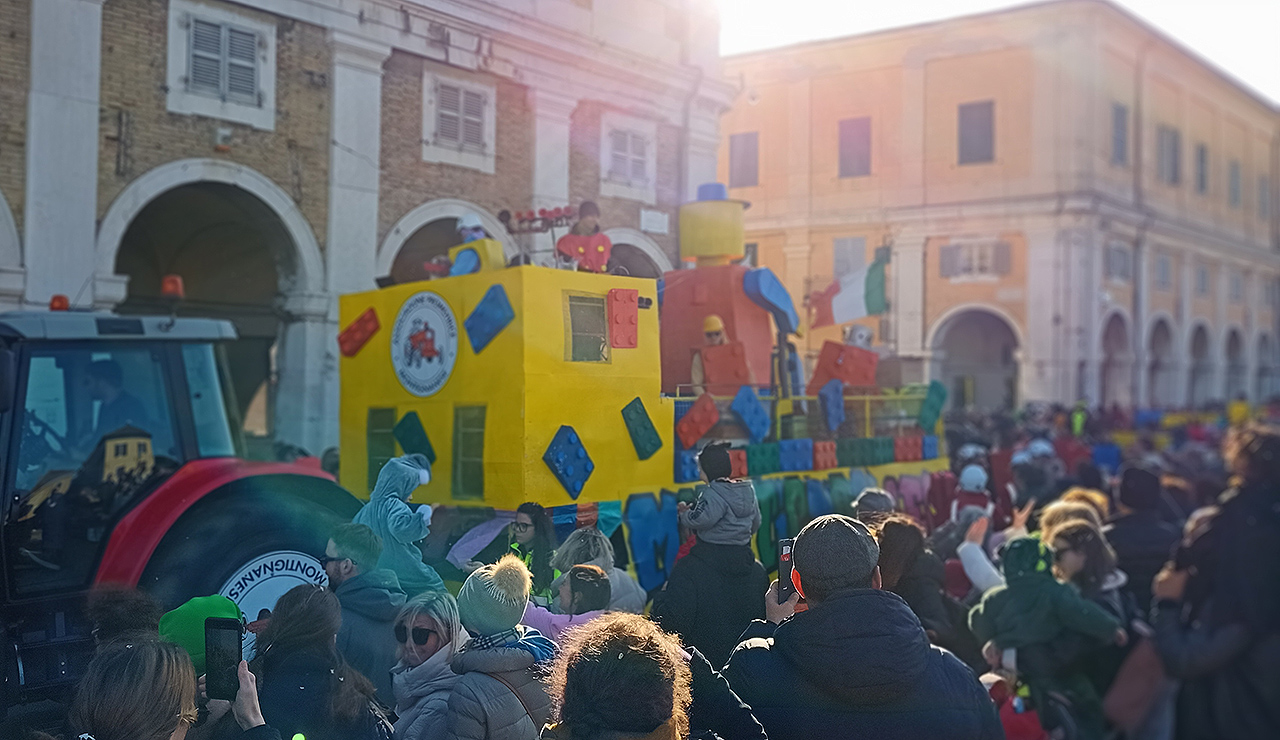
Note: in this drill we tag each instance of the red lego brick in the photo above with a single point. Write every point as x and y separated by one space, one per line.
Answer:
358 332
624 318
738 459
726 365
854 366
824 455
908 449
701 417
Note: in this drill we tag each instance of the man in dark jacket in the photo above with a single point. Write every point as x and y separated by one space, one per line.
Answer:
1142 540
712 595
856 664
370 600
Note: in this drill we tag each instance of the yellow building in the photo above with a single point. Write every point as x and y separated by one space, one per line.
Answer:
1076 206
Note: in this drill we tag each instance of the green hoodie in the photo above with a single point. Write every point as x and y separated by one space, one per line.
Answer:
1033 607
184 626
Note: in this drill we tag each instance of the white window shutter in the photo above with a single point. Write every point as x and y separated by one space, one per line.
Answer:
618 154
448 113
472 119
242 64
205 57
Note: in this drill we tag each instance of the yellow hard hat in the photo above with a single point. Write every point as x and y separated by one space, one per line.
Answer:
712 323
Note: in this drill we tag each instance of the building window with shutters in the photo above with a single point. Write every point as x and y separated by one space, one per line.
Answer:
855 147
1164 271
459 122
1169 155
1202 169
977 132
1119 263
1202 280
975 261
1119 134
1235 187
744 160
221 65
628 157
849 255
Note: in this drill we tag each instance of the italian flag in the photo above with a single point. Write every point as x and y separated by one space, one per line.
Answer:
855 295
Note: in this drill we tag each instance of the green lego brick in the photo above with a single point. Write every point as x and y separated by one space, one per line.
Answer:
644 436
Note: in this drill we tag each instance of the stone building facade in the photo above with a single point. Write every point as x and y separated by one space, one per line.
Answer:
1076 206
278 153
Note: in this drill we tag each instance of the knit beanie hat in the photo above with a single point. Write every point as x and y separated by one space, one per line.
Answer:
1027 557
184 626
1139 488
493 598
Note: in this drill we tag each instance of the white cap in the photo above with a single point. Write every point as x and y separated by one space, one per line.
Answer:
970 451
973 479
469 221
1040 448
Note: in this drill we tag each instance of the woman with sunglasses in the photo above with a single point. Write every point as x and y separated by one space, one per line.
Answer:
429 634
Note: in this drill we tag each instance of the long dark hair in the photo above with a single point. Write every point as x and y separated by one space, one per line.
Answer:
901 543
541 546
307 619
1099 559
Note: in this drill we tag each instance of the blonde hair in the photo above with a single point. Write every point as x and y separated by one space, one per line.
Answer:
442 608
1090 497
135 688
1060 512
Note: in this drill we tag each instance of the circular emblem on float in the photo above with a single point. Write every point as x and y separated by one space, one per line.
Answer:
258 584
424 344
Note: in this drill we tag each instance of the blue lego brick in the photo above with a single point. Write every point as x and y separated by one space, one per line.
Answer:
686 466
644 436
832 398
766 291
795 454
490 316
682 408
929 447
569 460
753 414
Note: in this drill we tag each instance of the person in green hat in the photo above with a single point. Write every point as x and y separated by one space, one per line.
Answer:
184 626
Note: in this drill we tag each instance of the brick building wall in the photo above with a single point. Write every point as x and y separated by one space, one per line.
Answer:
15 56
407 181
138 133
585 167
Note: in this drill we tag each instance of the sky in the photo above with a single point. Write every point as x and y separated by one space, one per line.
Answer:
1241 37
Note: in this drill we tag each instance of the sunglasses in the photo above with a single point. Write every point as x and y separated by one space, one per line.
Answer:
325 560
421 635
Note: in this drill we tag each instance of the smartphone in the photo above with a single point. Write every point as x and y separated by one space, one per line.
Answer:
785 586
223 643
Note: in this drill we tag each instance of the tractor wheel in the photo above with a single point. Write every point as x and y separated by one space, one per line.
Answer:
250 547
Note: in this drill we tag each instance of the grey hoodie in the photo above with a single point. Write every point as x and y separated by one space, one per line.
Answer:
726 513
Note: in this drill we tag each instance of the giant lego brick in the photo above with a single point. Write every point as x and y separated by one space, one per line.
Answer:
907 448
754 417
725 367
763 459
412 437
854 366
698 421
490 316
644 436
819 499
624 318
569 460
831 398
738 459
686 466
882 451
682 408
931 408
929 447
824 455
358 333
847 453
795 454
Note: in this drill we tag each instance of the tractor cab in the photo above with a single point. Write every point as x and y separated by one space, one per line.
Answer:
97 411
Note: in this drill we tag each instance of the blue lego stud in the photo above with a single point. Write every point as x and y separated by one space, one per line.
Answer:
490 316
569 460
796 454
753 414
929 447
686 466
832 398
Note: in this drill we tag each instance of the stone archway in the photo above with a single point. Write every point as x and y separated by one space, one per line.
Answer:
1237 369
1117 362
247 255
637 254
975 352
1200 377
1264 385
430 230
1161 371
